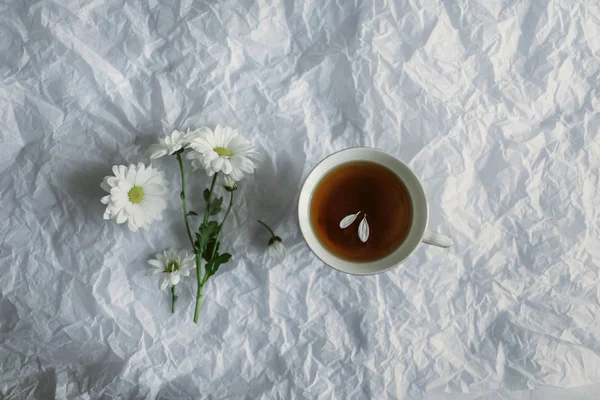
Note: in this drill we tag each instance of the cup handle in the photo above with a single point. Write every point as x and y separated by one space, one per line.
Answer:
436 239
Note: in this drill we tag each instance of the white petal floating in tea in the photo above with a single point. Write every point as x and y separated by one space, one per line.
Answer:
363 230
348 220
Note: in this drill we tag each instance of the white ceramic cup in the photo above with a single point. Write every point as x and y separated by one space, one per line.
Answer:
418 231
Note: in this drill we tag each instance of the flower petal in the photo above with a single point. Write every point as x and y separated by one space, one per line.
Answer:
201 145
132 226
226 166
218 164
236 174
363 230
277 249
210 156
164 281
131 173
121 217
105 185
239 145
242 163
348 220
156 151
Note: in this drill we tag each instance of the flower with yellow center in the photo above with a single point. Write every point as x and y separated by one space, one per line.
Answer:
222 150
136 195
172 264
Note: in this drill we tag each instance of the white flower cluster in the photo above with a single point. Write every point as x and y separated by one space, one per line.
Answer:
137 194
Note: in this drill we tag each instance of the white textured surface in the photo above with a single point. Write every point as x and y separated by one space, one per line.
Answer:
493 104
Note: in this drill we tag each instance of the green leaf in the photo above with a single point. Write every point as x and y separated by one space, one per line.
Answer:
210 247
207 233
222 259
215 206
182 195
192 213
219 259
206 195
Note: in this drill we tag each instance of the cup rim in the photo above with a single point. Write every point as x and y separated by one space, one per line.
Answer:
417 227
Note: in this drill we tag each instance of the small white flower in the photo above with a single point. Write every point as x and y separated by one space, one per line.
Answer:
137 195
222 150
276 247
173 264
229 184
171 144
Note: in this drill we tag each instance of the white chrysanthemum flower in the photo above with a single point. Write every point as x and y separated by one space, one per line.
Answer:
171 144
137 195
173 264
276 247
222 150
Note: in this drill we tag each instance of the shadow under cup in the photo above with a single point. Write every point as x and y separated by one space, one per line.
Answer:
382 190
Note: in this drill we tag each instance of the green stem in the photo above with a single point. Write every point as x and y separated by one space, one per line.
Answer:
212 257
199 253
199 294
173 299
210 192
184 204
267 226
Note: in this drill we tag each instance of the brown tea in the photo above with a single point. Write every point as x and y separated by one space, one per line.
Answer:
379 198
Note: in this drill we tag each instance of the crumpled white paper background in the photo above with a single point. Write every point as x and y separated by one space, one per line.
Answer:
493 104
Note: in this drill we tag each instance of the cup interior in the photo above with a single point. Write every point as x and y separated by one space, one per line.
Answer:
415 190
